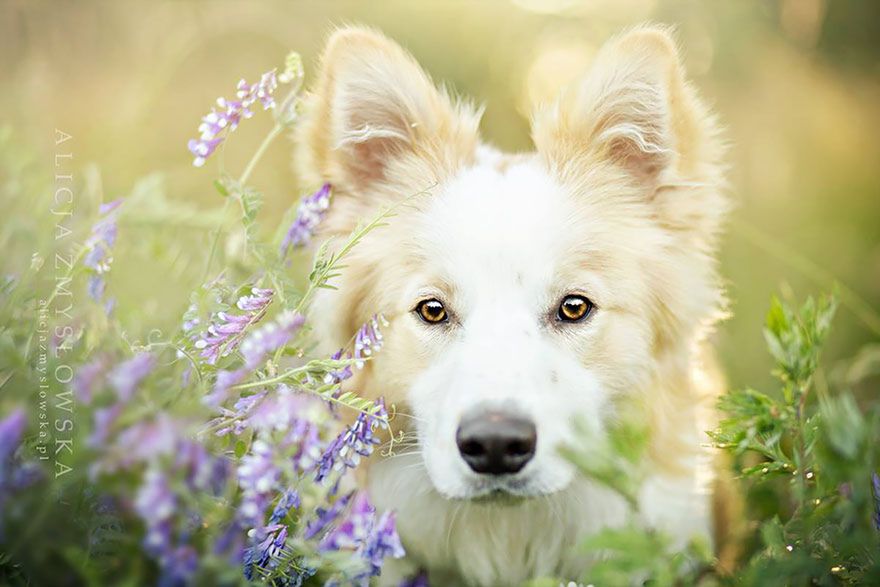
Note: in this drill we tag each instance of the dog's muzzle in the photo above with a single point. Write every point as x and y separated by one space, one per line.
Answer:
496 443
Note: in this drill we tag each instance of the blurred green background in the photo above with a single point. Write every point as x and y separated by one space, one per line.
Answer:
796 83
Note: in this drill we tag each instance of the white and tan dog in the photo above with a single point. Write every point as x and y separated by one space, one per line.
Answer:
523 291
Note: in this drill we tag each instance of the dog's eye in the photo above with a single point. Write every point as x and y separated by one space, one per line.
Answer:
431 311
574 308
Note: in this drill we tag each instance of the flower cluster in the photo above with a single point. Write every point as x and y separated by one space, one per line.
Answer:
99 250
358 440
227 115
368 339
14 476
254 349
226 330
241 464
336 376
875 485
374 538
309 214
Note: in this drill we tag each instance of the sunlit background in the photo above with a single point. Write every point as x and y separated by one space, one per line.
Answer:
796 83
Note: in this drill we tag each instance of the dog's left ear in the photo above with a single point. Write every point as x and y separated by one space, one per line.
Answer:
635 111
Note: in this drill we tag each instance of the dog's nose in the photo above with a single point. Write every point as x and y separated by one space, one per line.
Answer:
496 443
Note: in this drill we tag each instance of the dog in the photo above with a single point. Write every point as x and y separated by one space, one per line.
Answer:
524 293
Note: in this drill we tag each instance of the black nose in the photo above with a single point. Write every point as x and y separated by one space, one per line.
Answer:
496 443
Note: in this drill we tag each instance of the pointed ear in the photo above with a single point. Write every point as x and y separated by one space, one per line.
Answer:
634 109
372 106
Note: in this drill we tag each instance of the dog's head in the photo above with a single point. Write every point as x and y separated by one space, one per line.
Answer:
522 291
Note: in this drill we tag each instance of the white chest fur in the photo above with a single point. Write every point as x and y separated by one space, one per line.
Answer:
504 544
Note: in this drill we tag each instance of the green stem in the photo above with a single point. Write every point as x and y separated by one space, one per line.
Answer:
261 150
243 178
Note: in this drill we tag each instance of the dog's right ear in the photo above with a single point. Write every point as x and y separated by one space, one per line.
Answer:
373 106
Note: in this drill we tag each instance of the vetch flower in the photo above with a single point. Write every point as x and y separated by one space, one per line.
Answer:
155 503
87 378
104 419
254 349
356 441
142 442
269 544
381 543
420 579
238 417
14 475
325 517
227 115
256 301
875 481
289 501
203 471
374 539
99 248
126 376
352 532
258 476
309 214
11 430
270 337
337 376
225 332
368 339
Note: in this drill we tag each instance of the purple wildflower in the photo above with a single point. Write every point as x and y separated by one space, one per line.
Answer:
238 416
178 565
99 246
87 379
373 539
368 339
226 330
269 544
257 301
203 471
258 476
270 337
104 419
14 475
144 441
227 115
382 542
356 441
351 533
309 214
875 481
289 501
420 579
325 517
337 376
155 504
126 376
225 380
11 430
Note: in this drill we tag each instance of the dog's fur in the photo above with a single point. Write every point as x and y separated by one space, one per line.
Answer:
621 201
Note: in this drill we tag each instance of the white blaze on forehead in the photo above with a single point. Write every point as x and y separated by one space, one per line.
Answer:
495 225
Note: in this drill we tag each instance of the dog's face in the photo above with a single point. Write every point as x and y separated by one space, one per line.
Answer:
523 292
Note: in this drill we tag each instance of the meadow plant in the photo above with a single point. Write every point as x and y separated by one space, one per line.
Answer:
217 446
223 452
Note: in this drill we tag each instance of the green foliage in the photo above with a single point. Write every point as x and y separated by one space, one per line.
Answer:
815 454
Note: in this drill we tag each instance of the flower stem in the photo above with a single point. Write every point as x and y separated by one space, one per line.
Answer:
245 175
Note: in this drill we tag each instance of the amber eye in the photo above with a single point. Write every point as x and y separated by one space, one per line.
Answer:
574 308
431 311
